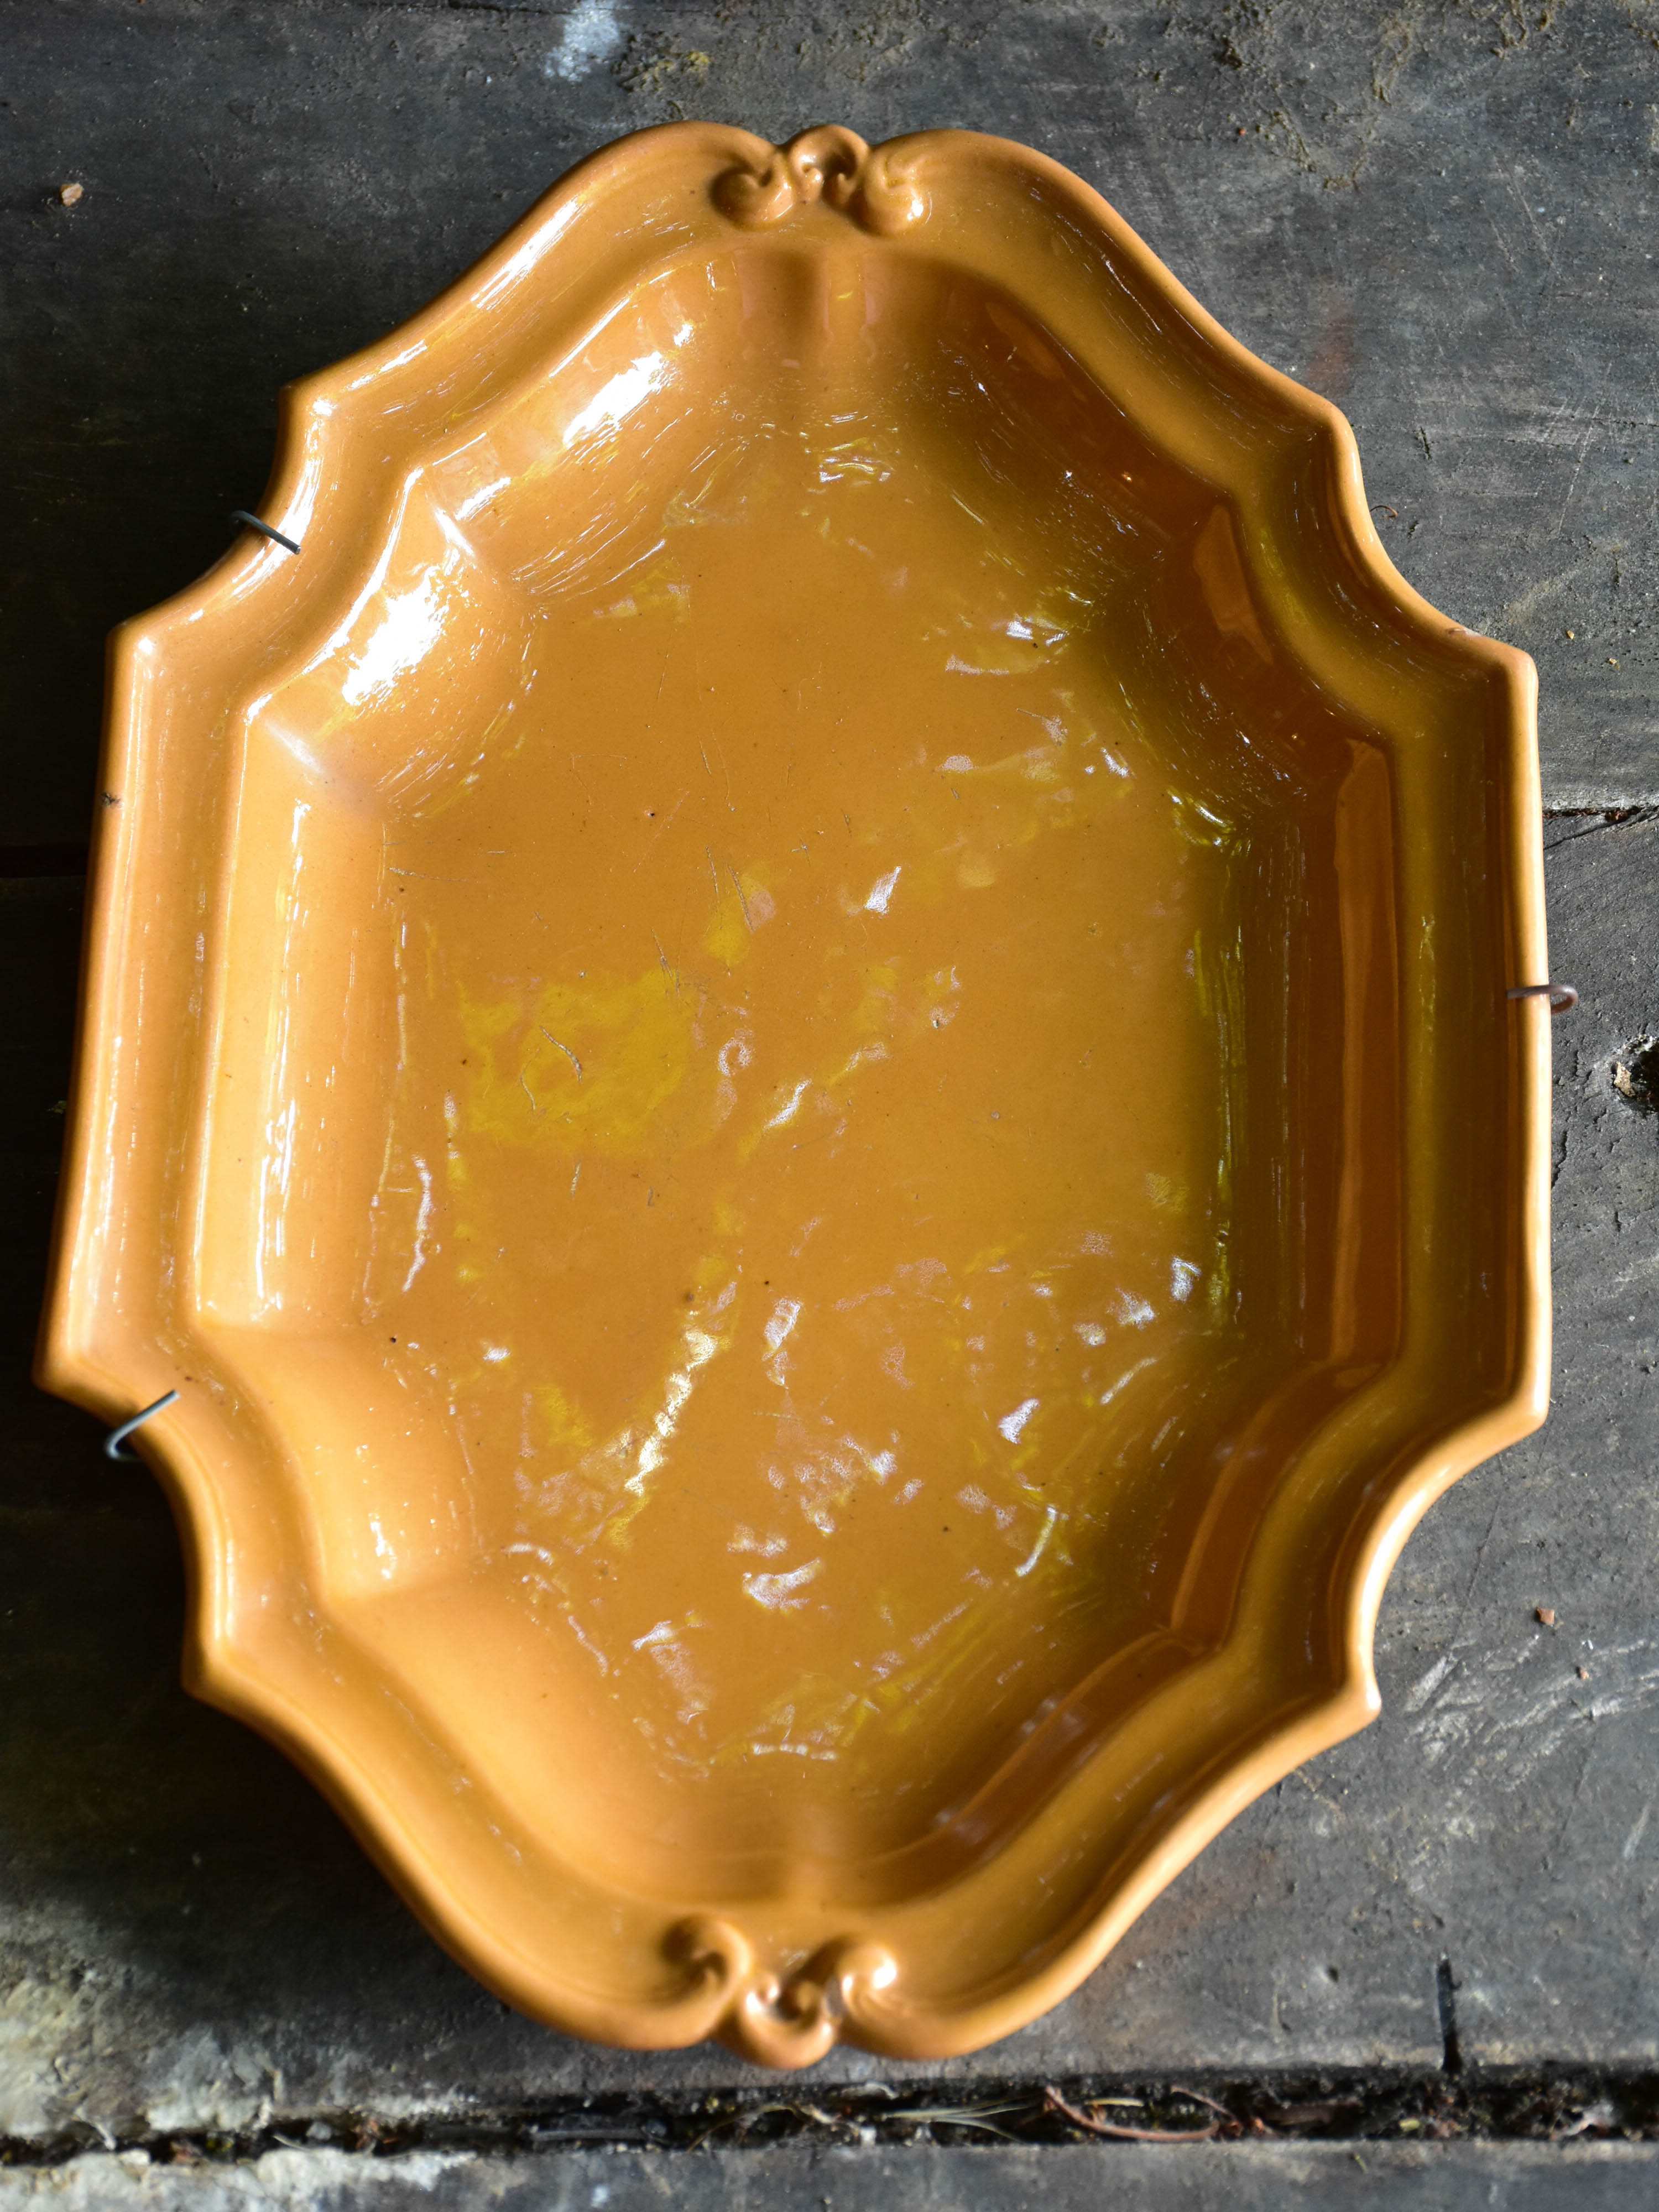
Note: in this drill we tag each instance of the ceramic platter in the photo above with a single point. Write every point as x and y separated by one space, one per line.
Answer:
802 1054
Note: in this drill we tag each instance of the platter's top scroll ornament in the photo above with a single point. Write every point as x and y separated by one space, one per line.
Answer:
801 1053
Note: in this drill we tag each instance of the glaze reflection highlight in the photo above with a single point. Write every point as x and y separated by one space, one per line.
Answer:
767 1161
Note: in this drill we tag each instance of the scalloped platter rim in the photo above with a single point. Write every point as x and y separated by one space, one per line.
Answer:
804 1054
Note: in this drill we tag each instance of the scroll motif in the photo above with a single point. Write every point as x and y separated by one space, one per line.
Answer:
773 2023
832 164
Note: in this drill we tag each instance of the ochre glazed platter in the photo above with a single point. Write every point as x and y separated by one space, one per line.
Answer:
802 1055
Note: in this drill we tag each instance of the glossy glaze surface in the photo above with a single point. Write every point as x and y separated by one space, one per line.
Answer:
815 1225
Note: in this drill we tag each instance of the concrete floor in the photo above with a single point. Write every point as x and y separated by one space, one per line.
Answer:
1443 216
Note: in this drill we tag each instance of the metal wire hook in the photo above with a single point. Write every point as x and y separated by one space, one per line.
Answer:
1562 996
253 522
117 1437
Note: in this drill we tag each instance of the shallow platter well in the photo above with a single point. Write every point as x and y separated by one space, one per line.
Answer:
814 1089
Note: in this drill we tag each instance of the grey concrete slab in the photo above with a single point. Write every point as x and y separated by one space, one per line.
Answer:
1440 212
189 1940
1123 2177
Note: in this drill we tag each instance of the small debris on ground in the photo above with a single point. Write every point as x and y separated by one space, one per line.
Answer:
1582 1673
1092 2124
1636 1077
1546 1614
69 194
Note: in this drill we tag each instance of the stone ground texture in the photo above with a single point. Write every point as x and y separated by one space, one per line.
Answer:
1388 2177
1440 214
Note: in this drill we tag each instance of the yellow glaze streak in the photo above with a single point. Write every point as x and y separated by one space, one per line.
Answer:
766 1002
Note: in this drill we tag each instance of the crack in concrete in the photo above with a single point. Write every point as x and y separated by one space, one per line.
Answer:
1344 2104
1595 819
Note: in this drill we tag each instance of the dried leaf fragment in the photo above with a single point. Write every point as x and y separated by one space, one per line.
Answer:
1056 2103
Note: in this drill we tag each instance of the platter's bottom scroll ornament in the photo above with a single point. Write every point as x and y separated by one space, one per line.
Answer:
815 1042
